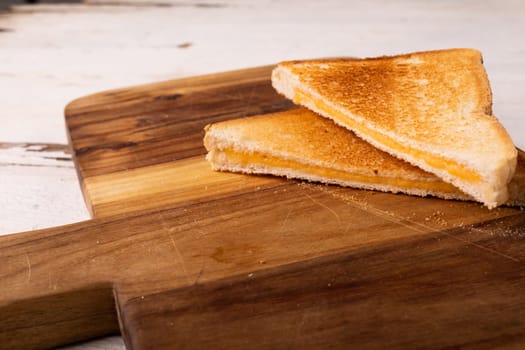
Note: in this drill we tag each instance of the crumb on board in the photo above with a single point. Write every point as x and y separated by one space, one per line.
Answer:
437 218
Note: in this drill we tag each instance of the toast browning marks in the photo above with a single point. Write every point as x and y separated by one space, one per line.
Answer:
301 144
431 109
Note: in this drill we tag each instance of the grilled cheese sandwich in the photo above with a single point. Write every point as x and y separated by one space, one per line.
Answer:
432 109
300 144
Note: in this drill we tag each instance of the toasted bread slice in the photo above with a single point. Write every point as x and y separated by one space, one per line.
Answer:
432 109
301 144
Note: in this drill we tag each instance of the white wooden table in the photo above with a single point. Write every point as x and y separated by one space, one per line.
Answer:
53 53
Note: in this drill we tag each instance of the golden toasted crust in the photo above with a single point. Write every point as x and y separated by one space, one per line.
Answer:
306 138
437 103
302 134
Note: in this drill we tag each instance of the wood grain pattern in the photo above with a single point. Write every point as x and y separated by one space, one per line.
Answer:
162 122
170 183
428 291
197 258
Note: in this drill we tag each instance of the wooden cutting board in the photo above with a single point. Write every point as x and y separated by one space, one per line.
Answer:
178 256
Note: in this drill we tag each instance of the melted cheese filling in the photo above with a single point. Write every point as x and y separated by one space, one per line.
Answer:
450 166
251 159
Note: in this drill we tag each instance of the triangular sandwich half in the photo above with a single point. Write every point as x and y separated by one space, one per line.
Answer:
432 109
301 144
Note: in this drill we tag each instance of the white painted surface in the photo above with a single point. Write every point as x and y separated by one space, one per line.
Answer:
51 54
38 187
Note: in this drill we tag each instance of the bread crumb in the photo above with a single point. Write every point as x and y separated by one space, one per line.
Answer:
437 217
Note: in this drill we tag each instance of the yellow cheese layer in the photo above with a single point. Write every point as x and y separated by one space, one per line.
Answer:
448 165
335 174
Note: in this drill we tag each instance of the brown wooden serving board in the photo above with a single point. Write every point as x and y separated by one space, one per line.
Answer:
178 256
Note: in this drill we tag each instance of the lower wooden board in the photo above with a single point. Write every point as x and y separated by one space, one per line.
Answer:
430 291
177 255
